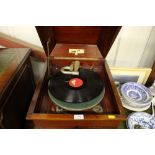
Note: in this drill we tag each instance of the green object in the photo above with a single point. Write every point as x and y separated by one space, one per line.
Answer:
77 106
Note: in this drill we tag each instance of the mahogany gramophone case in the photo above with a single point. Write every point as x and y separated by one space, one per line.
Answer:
76 89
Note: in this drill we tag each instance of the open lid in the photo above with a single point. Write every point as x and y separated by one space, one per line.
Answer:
102 36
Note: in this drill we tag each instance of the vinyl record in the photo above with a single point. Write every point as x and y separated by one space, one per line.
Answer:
76 89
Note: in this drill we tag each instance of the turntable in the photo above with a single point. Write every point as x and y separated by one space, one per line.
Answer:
76 89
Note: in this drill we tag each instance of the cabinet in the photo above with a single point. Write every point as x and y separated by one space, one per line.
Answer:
16 86
57 41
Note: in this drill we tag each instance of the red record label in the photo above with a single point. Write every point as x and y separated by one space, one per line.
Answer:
75 82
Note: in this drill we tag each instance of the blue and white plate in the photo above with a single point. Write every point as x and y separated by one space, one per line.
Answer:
136 93
141 120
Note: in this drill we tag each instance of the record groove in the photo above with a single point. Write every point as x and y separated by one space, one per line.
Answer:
61 88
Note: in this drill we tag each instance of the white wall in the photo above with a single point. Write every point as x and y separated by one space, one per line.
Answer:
129 47
148 56
24 33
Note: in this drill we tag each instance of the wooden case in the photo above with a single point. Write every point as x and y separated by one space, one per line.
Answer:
96 42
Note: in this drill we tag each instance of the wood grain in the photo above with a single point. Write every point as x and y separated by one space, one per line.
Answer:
67 121
106 38
12 65
18 85
152 76
102 36
77 34
61 50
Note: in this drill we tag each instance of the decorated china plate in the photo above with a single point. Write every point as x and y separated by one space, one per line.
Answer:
136 93
141 120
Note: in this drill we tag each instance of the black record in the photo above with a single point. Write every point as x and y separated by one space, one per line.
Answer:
90 88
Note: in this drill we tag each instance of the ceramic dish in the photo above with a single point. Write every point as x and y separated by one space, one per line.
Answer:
136 95
129 107
136 105
141 120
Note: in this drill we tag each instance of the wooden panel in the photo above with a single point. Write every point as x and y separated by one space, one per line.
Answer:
113 89
61 51
77 34
37 96
107 38
102 36
67 121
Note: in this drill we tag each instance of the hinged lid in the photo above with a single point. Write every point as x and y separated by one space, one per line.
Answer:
102 36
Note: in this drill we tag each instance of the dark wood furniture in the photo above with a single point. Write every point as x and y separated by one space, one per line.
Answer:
16 86
152 76
96 41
